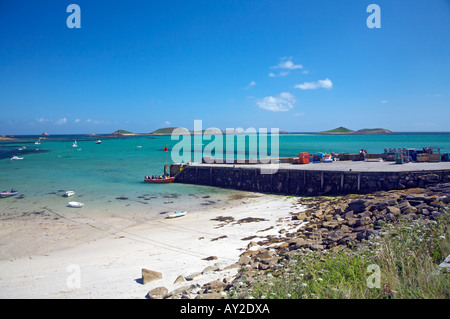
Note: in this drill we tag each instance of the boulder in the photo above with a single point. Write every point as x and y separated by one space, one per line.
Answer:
393 210
192 276
358 206
157 293
150 275
180 278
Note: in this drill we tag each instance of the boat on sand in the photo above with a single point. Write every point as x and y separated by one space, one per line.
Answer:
176 214
75 204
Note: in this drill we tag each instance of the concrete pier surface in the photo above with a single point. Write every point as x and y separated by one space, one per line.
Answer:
344 166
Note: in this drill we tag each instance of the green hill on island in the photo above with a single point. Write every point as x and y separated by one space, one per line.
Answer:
344 130
373 131
164 131
121 133
339 130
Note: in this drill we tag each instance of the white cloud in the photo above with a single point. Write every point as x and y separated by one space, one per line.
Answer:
166 123
43 120
326 84
61 121
76 121
384 101
286 63
281 103
281 73
252 83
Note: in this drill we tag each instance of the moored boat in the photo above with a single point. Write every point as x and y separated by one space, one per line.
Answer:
159 180
75 144
14 158
75 204
176 214
98 142
8 194
69 193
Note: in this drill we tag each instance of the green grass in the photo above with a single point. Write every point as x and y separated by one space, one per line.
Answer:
406 257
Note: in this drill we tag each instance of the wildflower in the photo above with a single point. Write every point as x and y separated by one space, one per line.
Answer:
319 279
304 284
442 237
289 295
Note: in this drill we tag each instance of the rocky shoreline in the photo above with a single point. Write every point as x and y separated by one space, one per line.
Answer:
336 223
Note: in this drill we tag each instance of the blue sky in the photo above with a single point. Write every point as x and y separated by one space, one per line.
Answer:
300 66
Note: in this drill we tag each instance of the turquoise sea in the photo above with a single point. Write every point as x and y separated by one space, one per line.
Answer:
108 177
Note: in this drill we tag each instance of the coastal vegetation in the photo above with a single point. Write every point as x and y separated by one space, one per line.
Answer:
397 253
406 254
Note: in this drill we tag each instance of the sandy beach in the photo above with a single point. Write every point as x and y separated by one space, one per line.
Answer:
49 256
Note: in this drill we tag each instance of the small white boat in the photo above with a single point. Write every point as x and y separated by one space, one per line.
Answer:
75 204
75 144
14 158
176 214
98 142
69 193
8 194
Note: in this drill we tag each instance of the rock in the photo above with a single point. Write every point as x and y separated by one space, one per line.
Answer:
150 275
212 295
300 216
394 210
300 243
365 234
210 269
214 286
210 258
445 263
348 215
157 293
266 255
358 206
406 208
316 247
179 291
331 224
180 278
192 276
244 260
335 236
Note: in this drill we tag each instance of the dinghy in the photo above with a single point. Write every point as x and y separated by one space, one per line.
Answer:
69 193
75 204
176 214
8 194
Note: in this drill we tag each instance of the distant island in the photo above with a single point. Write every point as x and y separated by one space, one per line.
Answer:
122 133
366 131
337 131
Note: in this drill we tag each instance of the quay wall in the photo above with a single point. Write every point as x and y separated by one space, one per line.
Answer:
307 182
